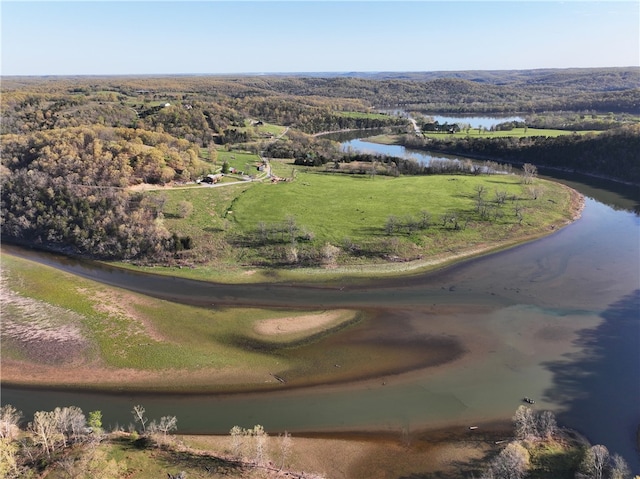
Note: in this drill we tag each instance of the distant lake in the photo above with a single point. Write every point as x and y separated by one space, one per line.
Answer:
476 121
363 146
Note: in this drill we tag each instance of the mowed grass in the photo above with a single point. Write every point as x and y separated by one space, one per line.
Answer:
240 160
335 207
340 209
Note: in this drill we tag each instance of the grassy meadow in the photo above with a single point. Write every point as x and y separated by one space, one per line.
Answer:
351 213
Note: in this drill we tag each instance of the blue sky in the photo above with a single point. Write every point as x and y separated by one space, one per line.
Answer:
163 37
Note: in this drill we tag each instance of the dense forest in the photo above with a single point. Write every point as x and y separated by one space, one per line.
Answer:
612 154
74 148
67 188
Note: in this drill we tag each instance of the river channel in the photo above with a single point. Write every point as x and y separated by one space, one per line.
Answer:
557 320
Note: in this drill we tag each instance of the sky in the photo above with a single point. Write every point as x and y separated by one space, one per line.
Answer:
218 37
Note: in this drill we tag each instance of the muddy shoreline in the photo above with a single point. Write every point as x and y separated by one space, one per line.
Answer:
442 348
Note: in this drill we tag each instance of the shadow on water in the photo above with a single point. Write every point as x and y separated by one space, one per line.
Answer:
600 386
619 196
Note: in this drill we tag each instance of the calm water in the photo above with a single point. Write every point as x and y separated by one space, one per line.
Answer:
393 150
476 121
557 319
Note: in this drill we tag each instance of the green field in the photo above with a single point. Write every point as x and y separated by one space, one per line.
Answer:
335 207
359 114
515 133
240 160
342 209
113 330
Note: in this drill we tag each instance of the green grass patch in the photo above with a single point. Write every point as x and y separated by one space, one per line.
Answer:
145 334
335 207
360 114
240 160
351 212
516 133
553 459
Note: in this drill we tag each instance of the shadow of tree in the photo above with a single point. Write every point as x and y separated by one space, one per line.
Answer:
473 468
184 459
598 388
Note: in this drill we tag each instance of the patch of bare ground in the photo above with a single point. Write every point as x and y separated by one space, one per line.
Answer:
98 377
301 324
42 332
444 453
121 304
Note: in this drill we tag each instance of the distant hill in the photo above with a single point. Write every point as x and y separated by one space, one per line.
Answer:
585 79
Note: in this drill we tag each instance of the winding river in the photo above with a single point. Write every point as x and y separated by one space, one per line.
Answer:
557 319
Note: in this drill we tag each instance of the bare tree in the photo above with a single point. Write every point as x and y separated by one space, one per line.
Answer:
138 416
450 217
511 463
411 224
501 196
529 172
260 439
373 170
44 428
594 463
525 423
71 422
425 219
547 425
391 224
237 434
619 468
329 253
166 425
518 211
291 228
263 232
9 419
286 444
534 191
291 253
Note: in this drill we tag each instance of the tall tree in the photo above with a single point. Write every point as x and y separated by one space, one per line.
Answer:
524 423
594 463
138 416
511 463
44 428
9 419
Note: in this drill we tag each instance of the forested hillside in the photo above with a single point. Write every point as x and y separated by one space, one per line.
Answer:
73 147
67 188
612 154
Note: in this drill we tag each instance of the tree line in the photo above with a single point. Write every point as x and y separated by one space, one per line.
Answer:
67 190
64 440
531 428
610 154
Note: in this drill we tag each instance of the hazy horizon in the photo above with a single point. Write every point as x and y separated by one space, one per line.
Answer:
95 38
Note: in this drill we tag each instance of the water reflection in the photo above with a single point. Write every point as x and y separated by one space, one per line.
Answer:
605 370
476 121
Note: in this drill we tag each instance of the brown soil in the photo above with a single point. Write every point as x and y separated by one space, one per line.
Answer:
444 453
299 324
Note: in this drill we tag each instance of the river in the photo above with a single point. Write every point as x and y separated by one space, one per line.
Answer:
556 319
